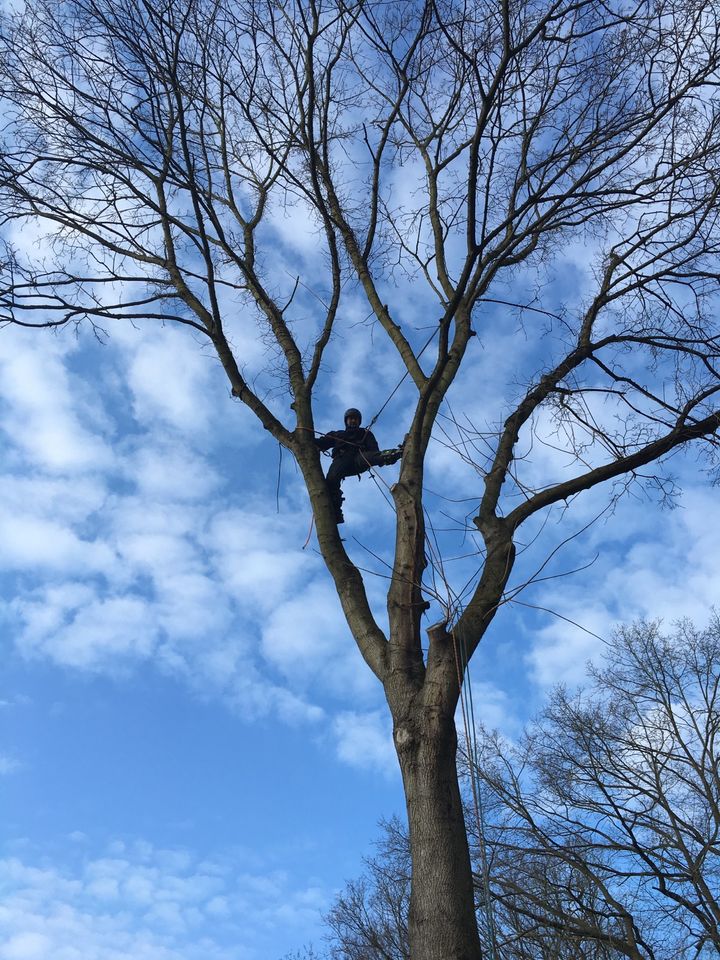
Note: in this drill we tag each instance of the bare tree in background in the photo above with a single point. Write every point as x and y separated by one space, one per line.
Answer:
618 790
602 825
557 918
151 141
369 918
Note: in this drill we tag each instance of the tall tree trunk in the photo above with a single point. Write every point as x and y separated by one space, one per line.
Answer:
442 922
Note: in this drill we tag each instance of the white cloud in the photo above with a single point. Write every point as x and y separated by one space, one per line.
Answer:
167 471
305 631
308 640
669 570
364 740
298 230
137 902
159 602
73 626
70 500
132 558
253 695
189 606
8 765
157 552
134 516
169 375
561 651
42 416
259 557
492 707
27 946
31 542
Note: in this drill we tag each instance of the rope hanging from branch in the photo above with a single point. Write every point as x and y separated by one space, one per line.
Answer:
468 716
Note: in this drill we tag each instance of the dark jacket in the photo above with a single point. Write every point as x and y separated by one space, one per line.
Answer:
347 442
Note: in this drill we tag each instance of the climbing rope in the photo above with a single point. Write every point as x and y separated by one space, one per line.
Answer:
467 709
403 377
279 473
397 386
312 524
468 716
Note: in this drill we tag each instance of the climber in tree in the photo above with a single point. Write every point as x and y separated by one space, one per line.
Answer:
354 450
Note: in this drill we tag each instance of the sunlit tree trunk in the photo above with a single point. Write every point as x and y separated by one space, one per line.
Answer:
442 920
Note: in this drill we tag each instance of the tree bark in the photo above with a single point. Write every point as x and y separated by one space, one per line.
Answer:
442 922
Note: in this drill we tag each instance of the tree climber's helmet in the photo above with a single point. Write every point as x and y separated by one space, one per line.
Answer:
353 412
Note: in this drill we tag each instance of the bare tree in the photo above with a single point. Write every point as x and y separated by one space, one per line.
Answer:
152 141
602 824
557 918
369 918
619 788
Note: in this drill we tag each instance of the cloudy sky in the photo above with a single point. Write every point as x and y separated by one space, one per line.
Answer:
193 756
